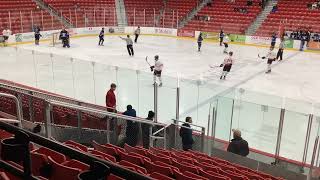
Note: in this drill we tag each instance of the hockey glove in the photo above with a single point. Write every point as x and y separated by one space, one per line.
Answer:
263 57
221 65
151 68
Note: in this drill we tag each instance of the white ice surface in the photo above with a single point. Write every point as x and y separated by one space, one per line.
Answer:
294 83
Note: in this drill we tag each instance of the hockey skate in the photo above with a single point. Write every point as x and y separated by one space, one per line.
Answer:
269 71
224 78
221 77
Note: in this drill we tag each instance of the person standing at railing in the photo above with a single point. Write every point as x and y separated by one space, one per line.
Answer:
137 34
111 101
238 145
186 135
132 129
101 37
129 45
146 130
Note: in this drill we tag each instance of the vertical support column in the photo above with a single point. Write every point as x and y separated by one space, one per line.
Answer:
76 17
138 88
53 77
231 120
154 17
177 19
203 130
178 99
150 136
21 22
134 16
213 130
47 122
30 103
172 19
32 21
209 120
104 17
42 20
79 119
280 128
165 138
51 22
9 16
306 144
315 149
94 16
144 17
94 82
114 17
155 99
164 15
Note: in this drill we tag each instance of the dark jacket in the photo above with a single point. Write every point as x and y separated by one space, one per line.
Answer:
186 135
146 133
239 146
132 129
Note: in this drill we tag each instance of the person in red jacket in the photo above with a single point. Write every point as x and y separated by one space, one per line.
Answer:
111 101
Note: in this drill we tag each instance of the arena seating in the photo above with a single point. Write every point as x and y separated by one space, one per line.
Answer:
223 16
24 13
86 13
144 12
176 9
294 14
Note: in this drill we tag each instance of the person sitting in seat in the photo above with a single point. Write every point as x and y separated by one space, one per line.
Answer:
238 145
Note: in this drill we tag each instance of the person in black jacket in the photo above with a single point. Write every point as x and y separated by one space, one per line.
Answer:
146 130
238 145
186 135
64 36
37 35
200 39
101 37
132 129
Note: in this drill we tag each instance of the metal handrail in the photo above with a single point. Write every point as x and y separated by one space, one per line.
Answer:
19 109
103 112
189 124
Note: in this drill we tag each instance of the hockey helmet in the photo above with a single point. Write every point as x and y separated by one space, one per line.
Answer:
156 57
230 53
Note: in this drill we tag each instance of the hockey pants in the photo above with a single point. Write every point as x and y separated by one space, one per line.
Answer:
130 50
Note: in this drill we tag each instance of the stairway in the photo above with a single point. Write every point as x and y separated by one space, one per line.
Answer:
121 13
54 13
252 29
194 12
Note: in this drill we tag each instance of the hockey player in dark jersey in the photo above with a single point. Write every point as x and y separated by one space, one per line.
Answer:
101 37
64 36
200 39
221 35
273 40
37 35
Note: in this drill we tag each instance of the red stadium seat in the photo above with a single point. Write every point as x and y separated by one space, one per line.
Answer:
57 157
59 171
159 176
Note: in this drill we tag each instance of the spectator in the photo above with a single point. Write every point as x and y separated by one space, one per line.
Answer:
249 2
238 145
274 9
186 134
132 129
111 101
146 130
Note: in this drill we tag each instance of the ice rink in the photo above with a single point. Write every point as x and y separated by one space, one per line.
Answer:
294 83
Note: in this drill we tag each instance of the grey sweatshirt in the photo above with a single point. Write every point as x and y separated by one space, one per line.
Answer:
128 40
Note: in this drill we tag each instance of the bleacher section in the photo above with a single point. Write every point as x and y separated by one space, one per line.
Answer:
86 13
295 15
23 14
223 16
175 11
143 13
154 162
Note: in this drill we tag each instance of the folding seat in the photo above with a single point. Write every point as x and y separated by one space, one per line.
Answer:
208 167
80 146
233 175
108 150
162 158
103 155
181 176
56 156
114 177
128 149
189 174
159 176
59 171
213 175
152 167
76 164
186 167
131 158
134 166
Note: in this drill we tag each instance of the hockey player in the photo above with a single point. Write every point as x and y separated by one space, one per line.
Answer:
137 34
273 40
280 51
226 43
200 39
64 36
37 35
227 64
271 57
6 33
101 37
129 45
157 70
221 35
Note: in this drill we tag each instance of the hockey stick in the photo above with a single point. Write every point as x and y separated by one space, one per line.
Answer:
147 61
263 57
215 66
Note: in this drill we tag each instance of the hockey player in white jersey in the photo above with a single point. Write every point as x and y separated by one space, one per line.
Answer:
157 70
226 43
271 56
227 64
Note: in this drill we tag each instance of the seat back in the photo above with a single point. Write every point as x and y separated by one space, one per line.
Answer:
159 176
80 146
38 162
108 150
77 164
56 156
104 155
136 167
129 149
59 171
